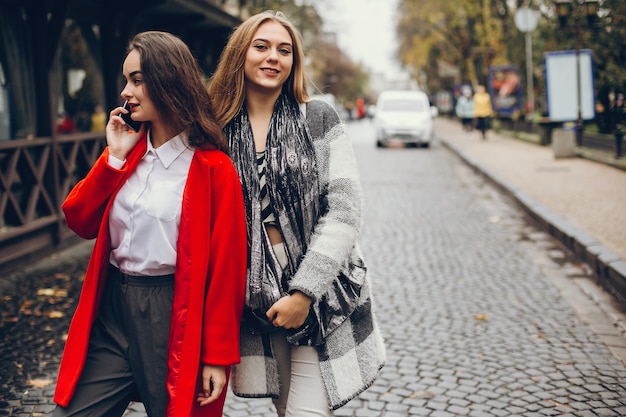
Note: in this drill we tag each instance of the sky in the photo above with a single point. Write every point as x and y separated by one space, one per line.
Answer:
365 31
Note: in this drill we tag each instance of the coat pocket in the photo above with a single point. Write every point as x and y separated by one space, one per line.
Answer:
337 304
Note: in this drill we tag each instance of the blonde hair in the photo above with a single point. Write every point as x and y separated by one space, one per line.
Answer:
227 85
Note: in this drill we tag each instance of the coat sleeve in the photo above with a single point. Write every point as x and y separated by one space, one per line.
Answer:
225 295
336 232
85 204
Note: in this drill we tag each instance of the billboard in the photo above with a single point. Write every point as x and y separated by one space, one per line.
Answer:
505 89
562 90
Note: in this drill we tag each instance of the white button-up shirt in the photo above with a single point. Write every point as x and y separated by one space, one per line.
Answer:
145 215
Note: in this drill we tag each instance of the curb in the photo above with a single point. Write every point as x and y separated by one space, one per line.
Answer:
603 158
608 266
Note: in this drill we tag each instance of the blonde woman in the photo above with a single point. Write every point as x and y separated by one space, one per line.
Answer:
482 110
309 339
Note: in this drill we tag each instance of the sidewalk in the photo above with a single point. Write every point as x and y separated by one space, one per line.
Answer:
580 202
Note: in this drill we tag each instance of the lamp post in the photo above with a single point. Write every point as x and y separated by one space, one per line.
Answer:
564 9
526 21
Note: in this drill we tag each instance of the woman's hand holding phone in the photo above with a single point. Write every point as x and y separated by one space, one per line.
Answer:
121 136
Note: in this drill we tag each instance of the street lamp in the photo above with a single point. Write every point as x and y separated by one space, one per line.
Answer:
565 8
526 21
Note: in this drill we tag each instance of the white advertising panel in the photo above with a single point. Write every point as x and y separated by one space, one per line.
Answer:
561 85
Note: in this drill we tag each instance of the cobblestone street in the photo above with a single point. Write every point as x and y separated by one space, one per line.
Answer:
483 314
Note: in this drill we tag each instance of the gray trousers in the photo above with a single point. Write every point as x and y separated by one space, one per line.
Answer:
127 357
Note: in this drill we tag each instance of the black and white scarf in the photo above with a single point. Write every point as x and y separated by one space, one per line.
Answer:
293 187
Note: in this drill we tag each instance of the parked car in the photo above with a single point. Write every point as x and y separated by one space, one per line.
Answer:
404 116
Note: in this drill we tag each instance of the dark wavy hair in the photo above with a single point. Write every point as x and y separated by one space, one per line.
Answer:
174 82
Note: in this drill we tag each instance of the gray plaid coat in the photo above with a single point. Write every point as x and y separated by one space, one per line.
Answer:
354 353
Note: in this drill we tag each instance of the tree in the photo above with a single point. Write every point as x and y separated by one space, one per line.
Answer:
468 34
471 35
333 72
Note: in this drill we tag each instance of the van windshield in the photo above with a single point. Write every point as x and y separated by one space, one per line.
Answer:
404 105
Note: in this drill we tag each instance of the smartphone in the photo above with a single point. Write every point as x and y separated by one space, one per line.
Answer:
133 124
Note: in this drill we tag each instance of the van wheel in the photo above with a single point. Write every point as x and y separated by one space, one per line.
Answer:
380 144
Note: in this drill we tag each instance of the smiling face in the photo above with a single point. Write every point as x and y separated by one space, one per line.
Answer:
141 106
269 59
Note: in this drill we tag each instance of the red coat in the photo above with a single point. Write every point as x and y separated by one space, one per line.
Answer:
210 274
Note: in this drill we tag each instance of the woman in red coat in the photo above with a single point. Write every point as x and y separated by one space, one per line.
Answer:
158 317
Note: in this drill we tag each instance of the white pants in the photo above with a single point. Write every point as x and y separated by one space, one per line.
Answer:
302 391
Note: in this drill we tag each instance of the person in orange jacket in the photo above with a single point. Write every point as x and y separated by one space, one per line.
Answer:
159 314
360 108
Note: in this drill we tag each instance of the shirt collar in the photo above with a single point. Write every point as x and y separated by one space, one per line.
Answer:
170 150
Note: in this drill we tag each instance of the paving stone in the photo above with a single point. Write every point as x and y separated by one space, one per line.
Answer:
439 413
419 411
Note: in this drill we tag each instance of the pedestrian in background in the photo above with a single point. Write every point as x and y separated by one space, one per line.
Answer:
482 110
616 113
465 109
360 108
309 338
83 121
65 124
98 119
159 313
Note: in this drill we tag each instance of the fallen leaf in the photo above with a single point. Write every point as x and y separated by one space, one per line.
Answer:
47 292
480 317
56 314
423 394
558 404
39 382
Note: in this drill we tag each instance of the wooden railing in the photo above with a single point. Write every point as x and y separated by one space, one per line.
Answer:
35 177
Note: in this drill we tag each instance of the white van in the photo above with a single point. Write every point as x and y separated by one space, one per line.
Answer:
405 117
